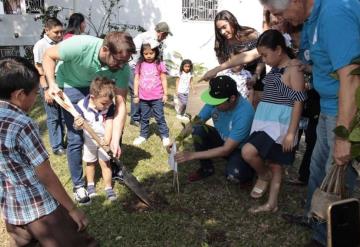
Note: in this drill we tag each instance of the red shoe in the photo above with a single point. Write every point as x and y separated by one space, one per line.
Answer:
199 174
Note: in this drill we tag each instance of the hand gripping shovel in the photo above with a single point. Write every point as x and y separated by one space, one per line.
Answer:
130 180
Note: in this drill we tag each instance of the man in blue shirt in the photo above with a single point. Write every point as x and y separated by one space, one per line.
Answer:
331 33
232 116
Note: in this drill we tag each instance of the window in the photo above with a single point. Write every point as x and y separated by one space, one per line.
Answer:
34 6
18 7
199 10
9 51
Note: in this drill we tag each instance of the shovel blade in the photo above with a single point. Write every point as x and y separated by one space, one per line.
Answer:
133 184
131 181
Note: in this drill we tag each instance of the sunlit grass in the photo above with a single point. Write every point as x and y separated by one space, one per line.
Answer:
211 212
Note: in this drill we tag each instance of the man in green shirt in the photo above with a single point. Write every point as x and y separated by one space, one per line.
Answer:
81 59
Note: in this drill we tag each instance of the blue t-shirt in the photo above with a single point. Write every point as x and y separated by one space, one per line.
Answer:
332 34
234 124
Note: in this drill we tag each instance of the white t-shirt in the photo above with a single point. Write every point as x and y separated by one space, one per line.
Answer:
40 48
184 82
241 80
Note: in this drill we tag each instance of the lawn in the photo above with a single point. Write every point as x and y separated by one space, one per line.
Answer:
211 212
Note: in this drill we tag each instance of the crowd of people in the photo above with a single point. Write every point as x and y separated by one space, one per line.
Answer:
268 89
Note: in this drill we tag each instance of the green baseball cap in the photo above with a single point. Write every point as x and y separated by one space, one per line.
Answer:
221 88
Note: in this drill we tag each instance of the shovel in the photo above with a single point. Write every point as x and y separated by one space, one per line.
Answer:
129 180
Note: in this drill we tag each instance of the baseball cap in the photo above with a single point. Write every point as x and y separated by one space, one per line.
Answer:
220 90
163 27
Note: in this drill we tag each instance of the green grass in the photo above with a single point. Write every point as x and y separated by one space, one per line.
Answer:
211 212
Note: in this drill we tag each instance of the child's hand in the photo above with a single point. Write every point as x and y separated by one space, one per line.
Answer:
78 122
288 142
105 144
164 98
136 100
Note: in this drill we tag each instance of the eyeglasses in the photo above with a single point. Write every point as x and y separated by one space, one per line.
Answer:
121 61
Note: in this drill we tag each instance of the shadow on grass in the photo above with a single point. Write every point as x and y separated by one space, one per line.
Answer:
133 154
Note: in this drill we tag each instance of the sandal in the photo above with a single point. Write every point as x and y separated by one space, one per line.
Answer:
261 185
266 208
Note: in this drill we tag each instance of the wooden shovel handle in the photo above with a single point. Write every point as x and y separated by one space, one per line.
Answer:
68 106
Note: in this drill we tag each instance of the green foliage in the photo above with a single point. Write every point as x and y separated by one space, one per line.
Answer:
353 133
187 129
51 11
105 25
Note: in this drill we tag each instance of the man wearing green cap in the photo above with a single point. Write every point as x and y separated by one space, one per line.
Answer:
232 116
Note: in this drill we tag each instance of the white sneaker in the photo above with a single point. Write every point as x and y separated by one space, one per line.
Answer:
182 118
139 140
81 196
185 118
166 141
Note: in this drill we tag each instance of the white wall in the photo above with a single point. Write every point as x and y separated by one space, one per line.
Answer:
192 39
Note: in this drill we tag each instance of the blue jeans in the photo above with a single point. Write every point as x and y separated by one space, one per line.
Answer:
134 108
321 161
75 138
155 107
236 168
55 123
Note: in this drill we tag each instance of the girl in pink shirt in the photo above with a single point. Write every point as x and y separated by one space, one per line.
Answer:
150 90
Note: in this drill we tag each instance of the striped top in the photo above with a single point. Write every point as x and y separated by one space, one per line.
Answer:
23 198
277 92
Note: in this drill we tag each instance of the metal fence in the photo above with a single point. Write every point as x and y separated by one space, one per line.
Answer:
34 6
199 10
9 51
18 7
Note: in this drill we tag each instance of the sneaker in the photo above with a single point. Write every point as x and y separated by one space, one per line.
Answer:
110 194
60 152
81 196
200 174
135 123
166 141
91 191
139 140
